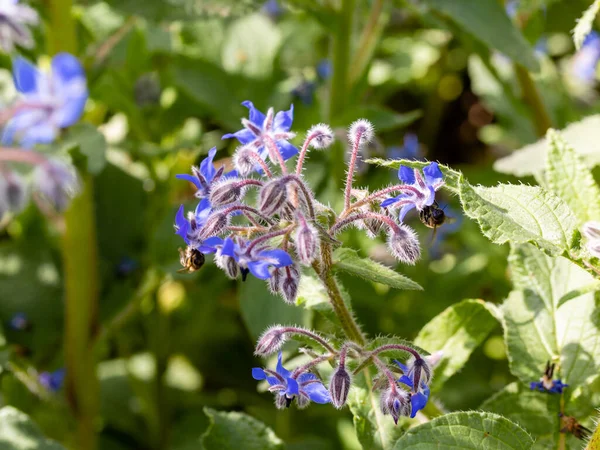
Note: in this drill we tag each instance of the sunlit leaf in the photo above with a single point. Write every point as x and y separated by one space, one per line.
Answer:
19 432
467 430
585 24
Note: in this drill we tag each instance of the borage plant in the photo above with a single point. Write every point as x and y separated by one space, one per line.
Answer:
283 233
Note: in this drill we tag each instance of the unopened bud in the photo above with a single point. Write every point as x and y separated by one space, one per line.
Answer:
270 341
362 130
289 283
404 245
244 160
229 265
339 386
215 225
15 192
419 371
321 136
56 182
395 402
226 191
274 281
272 197
306 240
287 211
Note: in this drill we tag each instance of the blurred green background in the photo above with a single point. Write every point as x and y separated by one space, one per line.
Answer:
166 81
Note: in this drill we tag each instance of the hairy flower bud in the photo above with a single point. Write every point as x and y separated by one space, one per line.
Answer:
289 283
273 195
320 135
419 371
395 402
361 129
214 225
302 401
306 240
270 341
339 386
226 191
404 245
244 160
14 192
229 265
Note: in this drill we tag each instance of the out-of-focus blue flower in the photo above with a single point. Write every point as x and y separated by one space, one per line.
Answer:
272 9
511 7
306 386
583 64
19 322
324 69
50 101
423 190
305 92
410 149
260 130
418 399
206 175
255 260
547 384
52 381
126 266
14 19
187 227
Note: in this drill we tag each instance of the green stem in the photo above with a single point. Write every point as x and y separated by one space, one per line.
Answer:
339 89
532 98
80 267
161 331
368 41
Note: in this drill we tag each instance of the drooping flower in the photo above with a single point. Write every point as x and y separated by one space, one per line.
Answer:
262 131
395 402
584 62
52 381
205 176
188 227
306 386
423 189
50 101
14 21
416 373
546 383
256 260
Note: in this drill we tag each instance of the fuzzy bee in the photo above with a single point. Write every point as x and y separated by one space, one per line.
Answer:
433 216
191 259
569 424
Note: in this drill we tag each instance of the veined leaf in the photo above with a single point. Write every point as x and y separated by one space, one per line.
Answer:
467 430
569 178
313 296
488 22
19 432
228 430
452 178
457 331
584 137
348 260
585 24
519 214
538 330
537 413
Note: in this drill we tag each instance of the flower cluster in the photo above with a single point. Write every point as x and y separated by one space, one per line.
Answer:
281 227
403 396
48 102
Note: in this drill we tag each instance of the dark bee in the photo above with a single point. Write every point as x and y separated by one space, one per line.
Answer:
569 424
191 260
433 216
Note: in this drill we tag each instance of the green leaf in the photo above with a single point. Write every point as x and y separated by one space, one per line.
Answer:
585 24
91 144
374 430
569 178
457 331
229 430
467 430
487 21
520 214
348 260
536 413
538 330
251 45
19 432
452 178
313 296
584 137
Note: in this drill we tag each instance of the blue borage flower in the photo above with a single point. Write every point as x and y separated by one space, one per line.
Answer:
256 260
583 64
14 19
423 190
188 227
546 383
259 129
19 322
409 150
50 101
412 374
286 386
206 175
52 381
